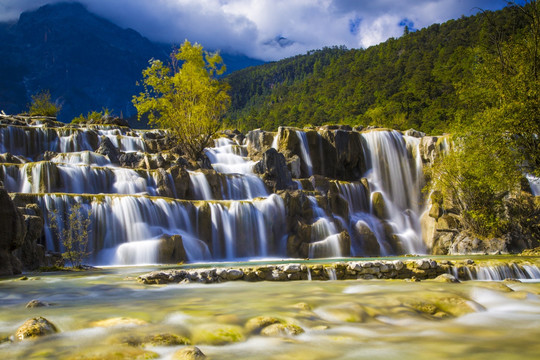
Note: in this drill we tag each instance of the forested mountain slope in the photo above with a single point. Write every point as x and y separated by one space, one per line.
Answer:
408 82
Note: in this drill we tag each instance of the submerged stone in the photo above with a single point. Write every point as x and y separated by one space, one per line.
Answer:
282 330
34 328
217 334
189 353
36 303
256 324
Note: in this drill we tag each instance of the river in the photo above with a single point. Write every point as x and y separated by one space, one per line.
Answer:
349 319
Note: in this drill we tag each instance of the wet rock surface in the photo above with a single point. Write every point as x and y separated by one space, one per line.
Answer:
417 269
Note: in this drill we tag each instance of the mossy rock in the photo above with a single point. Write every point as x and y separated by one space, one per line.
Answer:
166 339
217 334
350 312
282 330
34 328
189 353
256 324
453 305
115 353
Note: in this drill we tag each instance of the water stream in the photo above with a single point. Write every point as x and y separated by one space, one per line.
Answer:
341 319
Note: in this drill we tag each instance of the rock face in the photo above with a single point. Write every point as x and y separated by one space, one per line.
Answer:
275 173
12 234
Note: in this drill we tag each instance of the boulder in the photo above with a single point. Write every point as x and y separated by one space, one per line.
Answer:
164 186
282 330
180 177
217 334
36 303
368 240
189 353
34 328
256 324
446 278
165 339
107 148
378 204
274 169
171 250
131 159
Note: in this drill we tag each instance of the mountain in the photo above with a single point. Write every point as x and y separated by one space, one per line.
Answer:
407 82
86 62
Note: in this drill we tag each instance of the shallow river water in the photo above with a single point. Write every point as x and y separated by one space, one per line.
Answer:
353 319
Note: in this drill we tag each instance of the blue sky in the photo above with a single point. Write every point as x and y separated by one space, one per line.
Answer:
271 29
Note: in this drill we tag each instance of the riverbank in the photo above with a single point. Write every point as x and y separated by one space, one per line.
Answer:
491 268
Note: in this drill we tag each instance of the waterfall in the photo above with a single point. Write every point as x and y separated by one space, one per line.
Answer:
231 214
496 272
201 187
324 234
304 151
229 158
397 177
534 183
45 176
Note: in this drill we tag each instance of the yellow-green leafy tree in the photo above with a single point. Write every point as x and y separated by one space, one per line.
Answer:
185 97
42 105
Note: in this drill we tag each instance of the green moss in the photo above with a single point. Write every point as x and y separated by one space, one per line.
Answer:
166 339
217 334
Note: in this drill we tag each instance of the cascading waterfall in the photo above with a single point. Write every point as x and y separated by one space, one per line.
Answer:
304 151
324 234
50 177
496 272
121 223
397 177
232 214
229 158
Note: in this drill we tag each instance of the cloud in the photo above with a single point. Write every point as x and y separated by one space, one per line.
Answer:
270 29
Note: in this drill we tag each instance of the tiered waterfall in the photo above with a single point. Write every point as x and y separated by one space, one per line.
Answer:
225 211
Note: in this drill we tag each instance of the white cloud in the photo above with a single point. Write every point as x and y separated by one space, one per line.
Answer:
254 27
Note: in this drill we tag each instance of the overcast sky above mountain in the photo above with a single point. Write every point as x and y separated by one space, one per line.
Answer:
270 29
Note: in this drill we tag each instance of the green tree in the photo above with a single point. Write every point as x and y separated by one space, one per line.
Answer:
72 232
42 105
185 97
496 130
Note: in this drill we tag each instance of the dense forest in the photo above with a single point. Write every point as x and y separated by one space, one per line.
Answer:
412 81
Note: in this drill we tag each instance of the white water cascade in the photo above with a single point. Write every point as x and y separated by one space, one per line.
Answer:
226 212
230 159
304 151
395 173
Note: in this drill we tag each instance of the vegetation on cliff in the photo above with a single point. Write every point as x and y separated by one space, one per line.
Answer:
496 129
